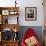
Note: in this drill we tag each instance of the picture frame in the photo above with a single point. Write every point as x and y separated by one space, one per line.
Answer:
5 12
30 13
12 12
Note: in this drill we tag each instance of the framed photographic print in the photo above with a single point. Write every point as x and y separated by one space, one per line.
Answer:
5 12
30 13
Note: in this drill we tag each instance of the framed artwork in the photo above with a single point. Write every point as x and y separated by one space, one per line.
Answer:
30 13
5 12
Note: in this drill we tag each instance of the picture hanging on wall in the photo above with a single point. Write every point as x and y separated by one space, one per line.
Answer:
30 13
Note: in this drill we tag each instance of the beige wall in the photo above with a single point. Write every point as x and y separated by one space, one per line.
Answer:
22 4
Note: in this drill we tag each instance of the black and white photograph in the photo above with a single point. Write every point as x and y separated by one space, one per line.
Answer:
30 13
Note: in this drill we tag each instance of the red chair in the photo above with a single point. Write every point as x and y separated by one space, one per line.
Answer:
29 33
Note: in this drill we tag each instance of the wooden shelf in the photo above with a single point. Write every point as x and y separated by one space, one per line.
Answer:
11 26
9 9
4 13
10 43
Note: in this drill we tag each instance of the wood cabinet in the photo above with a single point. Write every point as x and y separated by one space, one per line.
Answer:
5 26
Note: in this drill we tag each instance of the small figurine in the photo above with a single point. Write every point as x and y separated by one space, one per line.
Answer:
6 21
15 3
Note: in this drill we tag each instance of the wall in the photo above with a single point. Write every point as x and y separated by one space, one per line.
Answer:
32 3
26 3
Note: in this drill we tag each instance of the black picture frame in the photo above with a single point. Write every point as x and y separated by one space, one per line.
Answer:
30 13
